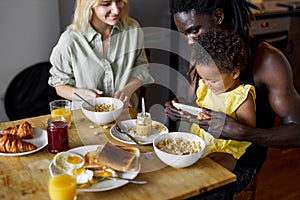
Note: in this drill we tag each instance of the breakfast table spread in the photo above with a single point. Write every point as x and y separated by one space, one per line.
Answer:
25 176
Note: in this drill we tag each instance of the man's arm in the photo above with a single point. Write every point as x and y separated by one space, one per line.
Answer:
274 72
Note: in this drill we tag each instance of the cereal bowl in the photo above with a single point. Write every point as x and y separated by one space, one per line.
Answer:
108 109
178 149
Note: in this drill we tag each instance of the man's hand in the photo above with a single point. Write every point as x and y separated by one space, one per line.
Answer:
177 114
217 124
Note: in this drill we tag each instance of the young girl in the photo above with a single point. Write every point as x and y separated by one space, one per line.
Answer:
100 54
219 60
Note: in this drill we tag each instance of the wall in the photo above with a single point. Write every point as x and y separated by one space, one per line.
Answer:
150 15
66 9
29 30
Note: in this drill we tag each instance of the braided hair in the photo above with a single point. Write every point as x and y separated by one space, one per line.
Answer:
238 11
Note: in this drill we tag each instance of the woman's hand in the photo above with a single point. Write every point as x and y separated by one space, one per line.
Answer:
126 93
87 93
67 92
123 97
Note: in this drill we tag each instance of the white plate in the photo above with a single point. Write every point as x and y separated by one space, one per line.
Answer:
40 140
157 128
103 185
190 109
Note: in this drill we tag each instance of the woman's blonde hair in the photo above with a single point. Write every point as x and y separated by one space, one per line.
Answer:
83 14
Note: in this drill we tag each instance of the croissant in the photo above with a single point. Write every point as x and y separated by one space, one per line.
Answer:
23 131
13 144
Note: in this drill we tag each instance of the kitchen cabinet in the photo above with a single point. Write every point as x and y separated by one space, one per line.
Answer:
276 14
282 31
293 50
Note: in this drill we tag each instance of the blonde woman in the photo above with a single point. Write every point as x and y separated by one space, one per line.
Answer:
100 54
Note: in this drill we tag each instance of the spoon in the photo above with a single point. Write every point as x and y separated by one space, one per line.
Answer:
123 129
84 100
143 107
143 111
120 178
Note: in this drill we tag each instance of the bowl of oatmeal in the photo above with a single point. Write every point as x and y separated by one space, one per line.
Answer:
178 149
105 110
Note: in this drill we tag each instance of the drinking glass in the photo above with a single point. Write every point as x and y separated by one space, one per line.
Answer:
62 187
61 108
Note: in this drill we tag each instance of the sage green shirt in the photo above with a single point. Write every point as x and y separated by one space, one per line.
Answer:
78 59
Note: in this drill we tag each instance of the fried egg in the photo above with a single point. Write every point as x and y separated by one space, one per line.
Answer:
66 161
105 173
82 175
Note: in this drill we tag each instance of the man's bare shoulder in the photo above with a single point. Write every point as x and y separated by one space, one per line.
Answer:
269 62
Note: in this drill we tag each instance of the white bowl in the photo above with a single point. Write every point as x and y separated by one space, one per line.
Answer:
102 118
176 160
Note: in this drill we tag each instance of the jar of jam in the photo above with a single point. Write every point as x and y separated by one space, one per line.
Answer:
57 131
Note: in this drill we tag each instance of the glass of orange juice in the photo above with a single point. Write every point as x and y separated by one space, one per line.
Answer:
61 108
62 187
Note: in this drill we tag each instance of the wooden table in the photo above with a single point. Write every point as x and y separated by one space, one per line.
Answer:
25 177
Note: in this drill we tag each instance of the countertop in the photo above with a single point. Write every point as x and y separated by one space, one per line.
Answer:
271 9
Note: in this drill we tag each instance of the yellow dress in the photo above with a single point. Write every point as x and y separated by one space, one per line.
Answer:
227 103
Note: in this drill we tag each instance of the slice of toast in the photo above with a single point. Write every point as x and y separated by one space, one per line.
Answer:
120 158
